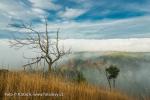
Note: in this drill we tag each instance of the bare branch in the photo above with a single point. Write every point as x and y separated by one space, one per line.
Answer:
34 62
50 51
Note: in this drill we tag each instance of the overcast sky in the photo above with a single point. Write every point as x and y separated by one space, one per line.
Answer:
92 19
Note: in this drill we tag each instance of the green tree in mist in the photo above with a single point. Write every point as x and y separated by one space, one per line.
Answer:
112 73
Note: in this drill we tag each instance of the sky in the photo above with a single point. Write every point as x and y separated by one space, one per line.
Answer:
78 19
85 25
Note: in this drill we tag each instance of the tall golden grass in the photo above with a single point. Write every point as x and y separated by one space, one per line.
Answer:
35 86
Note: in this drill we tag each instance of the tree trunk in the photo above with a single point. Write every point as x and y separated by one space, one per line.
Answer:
114 83
49 67
109 83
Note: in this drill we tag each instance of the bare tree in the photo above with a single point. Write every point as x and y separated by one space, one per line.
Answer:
50 50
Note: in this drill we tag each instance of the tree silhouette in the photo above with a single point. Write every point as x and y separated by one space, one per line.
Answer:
111 73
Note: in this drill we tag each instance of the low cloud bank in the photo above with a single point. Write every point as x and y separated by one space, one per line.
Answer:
128 45
13 57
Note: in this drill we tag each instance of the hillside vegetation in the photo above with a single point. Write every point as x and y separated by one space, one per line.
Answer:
35 86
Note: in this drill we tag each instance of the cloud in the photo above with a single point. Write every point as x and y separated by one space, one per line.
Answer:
127 45
124 28
118 9
139 6
17 11
90 19
71 13
46 4
4 20
12 10
8 55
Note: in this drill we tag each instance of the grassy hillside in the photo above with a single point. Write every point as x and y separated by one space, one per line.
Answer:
35 86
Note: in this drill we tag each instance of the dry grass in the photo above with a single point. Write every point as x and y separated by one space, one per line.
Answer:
20 82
